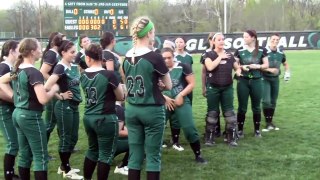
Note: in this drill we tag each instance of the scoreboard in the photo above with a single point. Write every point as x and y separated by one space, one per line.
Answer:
96 15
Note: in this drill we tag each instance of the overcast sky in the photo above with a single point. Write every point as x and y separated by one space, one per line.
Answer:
8 3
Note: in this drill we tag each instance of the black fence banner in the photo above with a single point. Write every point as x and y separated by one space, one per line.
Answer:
196 42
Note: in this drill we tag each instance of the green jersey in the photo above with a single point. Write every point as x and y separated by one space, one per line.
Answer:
276 58
69 79
98 85
24 96
178 78
109 56
142 76
246 58
185 58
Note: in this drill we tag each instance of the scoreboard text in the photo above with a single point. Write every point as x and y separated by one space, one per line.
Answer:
96 15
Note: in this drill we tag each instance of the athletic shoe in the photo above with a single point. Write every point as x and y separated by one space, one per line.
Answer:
240 134
270 127
177 147
257 134
60 171
164 145
72 175
233 144
200 160
122 170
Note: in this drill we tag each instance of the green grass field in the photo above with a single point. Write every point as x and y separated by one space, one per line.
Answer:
291 153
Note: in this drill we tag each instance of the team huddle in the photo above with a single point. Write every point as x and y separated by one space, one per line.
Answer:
128 102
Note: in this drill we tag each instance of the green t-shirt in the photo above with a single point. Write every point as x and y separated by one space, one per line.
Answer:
178 78
69 79
24 95
246 58
98 85
185 58
142 76
276 58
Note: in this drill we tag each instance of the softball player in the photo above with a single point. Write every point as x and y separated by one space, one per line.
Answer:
50 59
219 90
101 89
210 47
122 144
112 63
271 81
179 110
84 43
181 54
66 109
9 55
29 98
253 59
143 70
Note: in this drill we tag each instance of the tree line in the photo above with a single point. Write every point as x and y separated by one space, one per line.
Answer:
183 16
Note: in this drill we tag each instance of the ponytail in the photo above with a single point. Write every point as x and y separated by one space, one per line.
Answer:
14 71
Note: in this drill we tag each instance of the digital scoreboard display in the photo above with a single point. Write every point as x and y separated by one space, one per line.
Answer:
95 15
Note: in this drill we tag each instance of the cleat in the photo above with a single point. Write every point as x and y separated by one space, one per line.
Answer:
200 160
177 147
257 134
60 171
122 170
164 145
72 175
240 134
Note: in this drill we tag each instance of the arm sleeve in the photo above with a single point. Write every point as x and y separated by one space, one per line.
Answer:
160 65
108 56
78 58
186 69
284 59
202 58
59 70
264 52
237 54
4 69
35 77
113 80
50 58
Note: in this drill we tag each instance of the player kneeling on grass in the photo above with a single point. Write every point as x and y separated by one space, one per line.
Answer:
101 89
270 81
179 110
122 144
